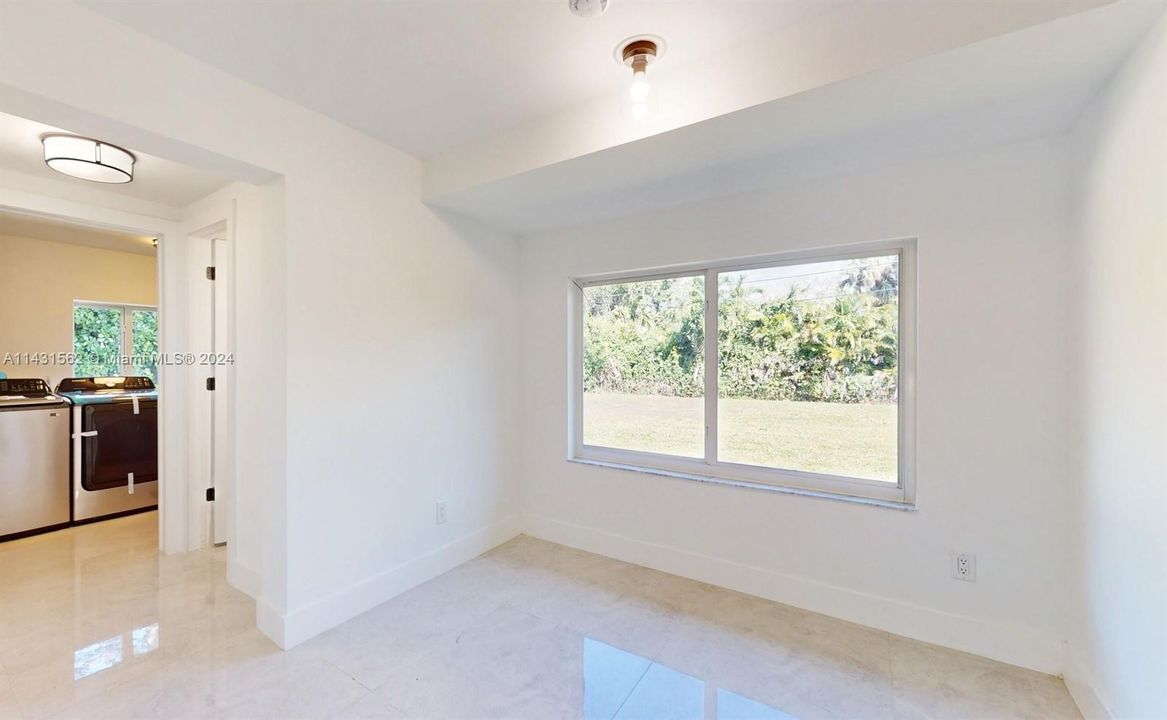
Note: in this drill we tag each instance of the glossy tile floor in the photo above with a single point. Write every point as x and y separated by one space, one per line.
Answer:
95 624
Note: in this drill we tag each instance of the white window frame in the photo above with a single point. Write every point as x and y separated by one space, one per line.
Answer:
900 494
125 352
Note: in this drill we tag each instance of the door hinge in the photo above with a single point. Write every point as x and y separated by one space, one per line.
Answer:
210 494
210 272
210 383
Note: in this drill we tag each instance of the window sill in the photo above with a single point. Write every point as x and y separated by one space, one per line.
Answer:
745 484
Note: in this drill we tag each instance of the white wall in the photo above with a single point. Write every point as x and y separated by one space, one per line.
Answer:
995 408
40 280
409 315
1120 647
415 316
96 196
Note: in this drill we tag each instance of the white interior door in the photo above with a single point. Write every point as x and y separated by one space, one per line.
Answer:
222 362
211 452
201 452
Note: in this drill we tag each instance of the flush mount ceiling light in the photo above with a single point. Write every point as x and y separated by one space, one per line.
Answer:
587 8
88 159
638 53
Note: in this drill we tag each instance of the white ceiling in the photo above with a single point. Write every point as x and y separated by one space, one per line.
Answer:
1021 85
155 179
859 38
52 230
517 105
426 75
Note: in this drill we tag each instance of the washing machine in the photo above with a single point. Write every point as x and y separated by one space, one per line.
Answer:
34 458
114 434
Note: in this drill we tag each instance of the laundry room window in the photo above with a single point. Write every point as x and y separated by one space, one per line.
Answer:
111 340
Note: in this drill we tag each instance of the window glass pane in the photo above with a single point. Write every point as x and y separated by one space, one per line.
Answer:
97 341
145 330
644 365
808 367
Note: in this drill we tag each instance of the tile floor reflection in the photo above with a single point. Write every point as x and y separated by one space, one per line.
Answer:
95 624
619 684
105 654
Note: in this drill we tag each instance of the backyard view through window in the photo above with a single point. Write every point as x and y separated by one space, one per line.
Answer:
644 365
97 341
807 376
110 340
807 371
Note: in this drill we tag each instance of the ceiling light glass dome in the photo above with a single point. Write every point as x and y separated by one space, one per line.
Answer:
88 159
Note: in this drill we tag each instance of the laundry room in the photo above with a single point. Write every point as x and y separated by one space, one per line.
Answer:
79 312
103 335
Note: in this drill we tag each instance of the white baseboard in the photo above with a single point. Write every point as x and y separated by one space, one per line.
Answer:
1081 687
1014 645
306 622
245 579
271 622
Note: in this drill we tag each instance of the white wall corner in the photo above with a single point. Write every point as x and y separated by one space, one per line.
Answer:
291 629
271 622
243 578
1084 692
1019 646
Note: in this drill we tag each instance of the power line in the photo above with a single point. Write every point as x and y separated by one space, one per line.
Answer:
750 281
819 298
838 271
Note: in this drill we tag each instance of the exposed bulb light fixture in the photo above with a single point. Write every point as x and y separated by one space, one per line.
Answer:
638 53
639 89
88 159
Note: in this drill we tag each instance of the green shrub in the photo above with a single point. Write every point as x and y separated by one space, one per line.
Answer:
647 338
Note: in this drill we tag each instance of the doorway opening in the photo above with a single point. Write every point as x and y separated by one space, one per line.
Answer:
100 304
79 341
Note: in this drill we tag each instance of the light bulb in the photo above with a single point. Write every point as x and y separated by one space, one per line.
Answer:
636 54
640 88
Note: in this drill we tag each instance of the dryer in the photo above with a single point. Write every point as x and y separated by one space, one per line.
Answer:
114 465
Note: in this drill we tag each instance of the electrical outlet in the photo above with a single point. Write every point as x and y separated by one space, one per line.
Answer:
443 513
964 566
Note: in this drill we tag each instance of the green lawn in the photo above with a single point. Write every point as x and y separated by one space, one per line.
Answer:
835 438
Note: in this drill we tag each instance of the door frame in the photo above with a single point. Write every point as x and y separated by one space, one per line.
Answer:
213 428
173 419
